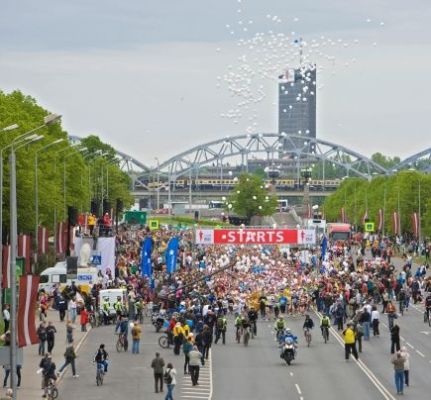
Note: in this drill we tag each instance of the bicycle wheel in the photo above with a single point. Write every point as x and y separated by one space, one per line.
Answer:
425 317
119 345
246 338
163 342
308 339
54 393
92 321
98 378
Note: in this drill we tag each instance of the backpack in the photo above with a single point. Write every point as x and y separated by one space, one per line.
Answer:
280 324
220 323
167 377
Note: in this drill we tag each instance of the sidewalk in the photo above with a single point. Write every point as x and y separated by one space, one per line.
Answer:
30 380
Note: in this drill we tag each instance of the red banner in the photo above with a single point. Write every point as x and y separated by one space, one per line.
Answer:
28 286
24 249
42 240
255 236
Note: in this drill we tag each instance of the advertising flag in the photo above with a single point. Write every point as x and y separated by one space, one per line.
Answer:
28 286
42 240
24 251
146 264
172 255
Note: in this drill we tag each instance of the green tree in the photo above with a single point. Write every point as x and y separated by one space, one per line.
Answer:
251 198
385 161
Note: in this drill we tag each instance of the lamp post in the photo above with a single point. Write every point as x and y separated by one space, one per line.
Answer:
21 140
64 178
158 183
36 189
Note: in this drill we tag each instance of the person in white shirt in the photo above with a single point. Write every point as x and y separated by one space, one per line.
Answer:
6 317
375 317
406 355
170 380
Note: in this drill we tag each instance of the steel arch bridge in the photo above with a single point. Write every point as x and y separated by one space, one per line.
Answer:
298 147
420 161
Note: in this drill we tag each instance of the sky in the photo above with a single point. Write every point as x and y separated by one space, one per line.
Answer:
152 77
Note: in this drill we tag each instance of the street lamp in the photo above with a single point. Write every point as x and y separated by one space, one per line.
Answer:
158 182
64 175
10 128
20 141
36 188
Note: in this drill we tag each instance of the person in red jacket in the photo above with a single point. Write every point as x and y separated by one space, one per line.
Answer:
84 320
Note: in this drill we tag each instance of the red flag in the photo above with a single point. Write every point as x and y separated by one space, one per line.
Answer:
380 219
28 286
396 223
24 248
61 238
415 225
6 267
343 215
365 217
42 240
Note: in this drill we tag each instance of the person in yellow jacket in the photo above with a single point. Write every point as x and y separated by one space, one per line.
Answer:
350 341
179 337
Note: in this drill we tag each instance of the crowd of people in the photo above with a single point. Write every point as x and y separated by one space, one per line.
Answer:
213 286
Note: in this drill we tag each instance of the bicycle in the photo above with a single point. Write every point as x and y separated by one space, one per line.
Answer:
427 317
164 341
325 333
121 342
246 336
238 335
51 391
100 374
94 321
307 334
401 306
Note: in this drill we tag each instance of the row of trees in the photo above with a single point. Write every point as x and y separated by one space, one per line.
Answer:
407 192
67 176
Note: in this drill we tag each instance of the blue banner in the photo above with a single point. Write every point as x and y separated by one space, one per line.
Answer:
146 264
324 247
172 255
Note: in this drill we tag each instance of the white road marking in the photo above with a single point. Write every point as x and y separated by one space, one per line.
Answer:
421 354
291 373
408 344
298 389
376 382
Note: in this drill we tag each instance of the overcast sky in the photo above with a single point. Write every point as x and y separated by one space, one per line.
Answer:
143 74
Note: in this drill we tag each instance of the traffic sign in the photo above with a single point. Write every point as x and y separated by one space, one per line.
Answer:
153 224
369 227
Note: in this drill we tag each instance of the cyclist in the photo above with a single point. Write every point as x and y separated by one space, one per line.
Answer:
123 325
101 357
48 372
279 327
428 305
238 325
325 323
252 316
308 325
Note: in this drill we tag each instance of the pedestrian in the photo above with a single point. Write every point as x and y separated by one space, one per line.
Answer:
136 337
187 348
359 334
194 364
50 336
7 373
350 341
69 358
41 334
72 310
83 316
69 332
6 317
170 380
365 321
207 339
157 365
375 321
395 338
61 307
406 356
221 329
178 338
398 361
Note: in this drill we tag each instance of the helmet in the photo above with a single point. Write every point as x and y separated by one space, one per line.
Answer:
287 331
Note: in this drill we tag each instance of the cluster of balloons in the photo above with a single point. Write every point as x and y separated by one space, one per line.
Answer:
267 55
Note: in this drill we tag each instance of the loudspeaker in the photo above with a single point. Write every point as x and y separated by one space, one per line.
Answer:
106 207
196 215
72 214
95 207
72 265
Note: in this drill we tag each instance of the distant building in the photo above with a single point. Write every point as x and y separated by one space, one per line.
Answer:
297 103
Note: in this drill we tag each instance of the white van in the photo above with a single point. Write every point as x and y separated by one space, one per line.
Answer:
56 275
110 296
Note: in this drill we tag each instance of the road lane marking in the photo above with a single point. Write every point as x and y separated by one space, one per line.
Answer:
376 382
421 354
298 389
408 344
291 373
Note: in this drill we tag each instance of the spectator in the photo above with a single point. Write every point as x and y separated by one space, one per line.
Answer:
6 317
50 336
83 319
41 333
398 361
136 337
157 365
